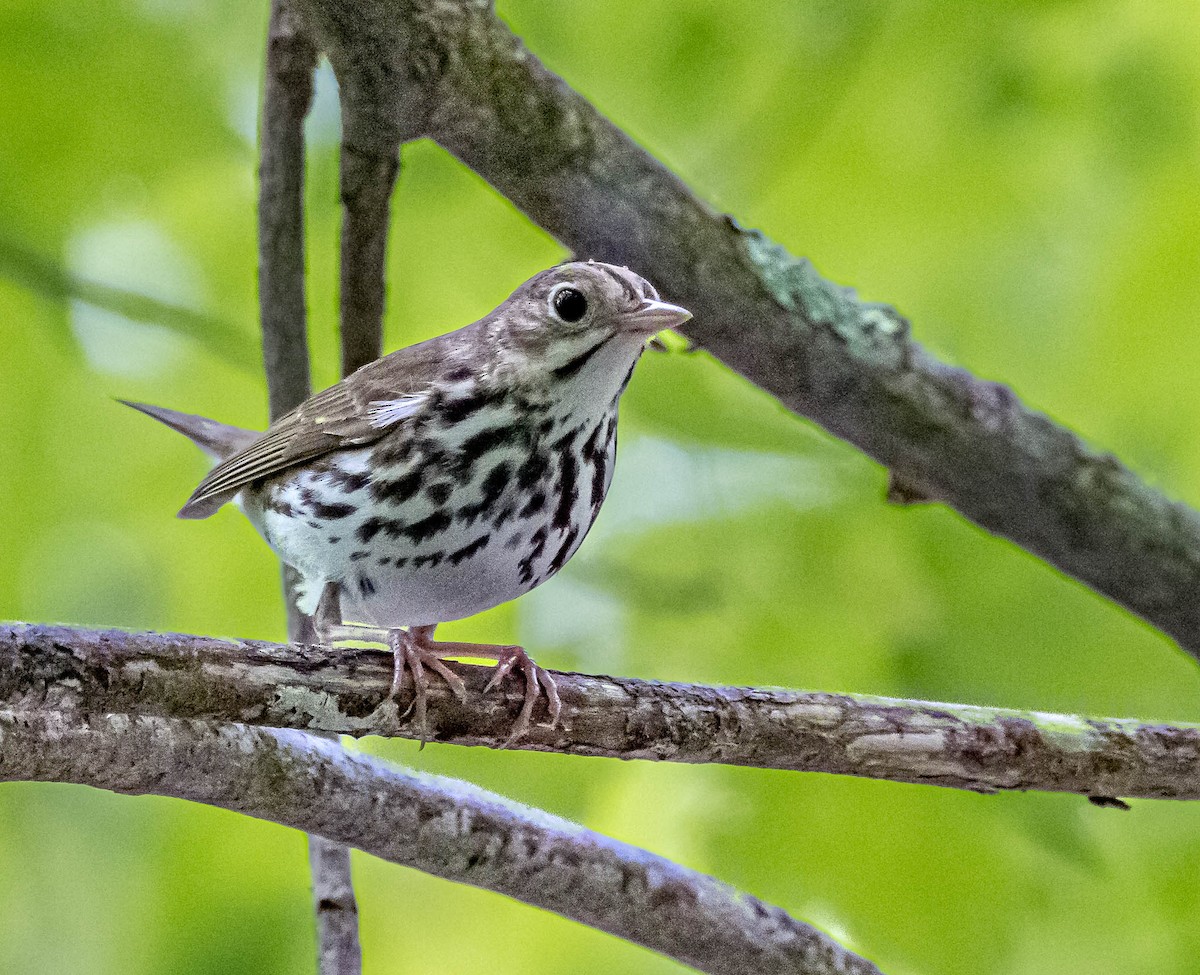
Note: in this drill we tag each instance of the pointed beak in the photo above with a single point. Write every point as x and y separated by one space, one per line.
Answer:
653 316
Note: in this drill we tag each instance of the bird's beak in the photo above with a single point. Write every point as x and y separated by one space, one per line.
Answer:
653 316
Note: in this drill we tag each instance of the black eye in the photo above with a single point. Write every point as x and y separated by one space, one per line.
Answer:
570 305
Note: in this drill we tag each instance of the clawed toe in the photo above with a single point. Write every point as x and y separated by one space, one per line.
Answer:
415 651
553 701
503 668
410 652
537 682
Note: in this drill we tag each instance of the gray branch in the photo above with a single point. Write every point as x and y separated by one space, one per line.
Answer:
944 434
366 189
287 95
335 906
288 90
441 826
303 687
373 126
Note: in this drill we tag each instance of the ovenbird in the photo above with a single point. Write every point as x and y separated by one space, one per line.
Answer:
447 477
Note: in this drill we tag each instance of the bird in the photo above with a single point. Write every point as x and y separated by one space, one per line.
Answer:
447 477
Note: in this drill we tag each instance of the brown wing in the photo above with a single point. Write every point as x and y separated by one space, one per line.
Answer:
341 416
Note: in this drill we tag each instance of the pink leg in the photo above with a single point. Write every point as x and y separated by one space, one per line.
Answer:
415 650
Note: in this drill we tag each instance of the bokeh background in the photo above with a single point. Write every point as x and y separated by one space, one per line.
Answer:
1021 179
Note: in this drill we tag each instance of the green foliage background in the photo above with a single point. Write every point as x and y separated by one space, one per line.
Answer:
1021 179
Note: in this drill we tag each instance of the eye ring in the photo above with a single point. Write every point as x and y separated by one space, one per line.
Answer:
569 304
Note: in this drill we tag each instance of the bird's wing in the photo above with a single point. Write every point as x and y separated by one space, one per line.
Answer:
356 411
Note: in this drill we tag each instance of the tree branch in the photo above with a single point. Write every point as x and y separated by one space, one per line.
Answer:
288 89
336 907
374 101
443 827
944 434
954 745
366 190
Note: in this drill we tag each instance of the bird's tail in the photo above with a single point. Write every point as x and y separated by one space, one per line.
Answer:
218 440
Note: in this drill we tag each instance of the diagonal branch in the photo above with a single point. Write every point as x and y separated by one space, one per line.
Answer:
944 434
50 279
441 826
954 745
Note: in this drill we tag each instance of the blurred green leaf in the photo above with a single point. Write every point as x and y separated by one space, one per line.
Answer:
54 282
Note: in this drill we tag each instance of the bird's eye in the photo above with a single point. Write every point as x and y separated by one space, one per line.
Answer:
569 304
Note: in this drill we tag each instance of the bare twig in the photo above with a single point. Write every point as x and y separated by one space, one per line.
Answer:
338 949
290 61
441 826
366 182
944 434
373 90
287 97
954 745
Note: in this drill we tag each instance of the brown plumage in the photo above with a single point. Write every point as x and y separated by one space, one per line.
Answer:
449 476
333 419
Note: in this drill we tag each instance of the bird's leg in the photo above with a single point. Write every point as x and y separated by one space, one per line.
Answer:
410 651
328 624
415 650
508 658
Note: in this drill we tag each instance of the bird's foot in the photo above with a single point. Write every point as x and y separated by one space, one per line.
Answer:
537 681
509 658
414 650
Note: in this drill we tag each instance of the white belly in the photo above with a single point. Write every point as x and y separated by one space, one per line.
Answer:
430 558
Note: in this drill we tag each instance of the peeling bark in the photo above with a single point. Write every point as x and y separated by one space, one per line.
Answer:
442 826
953 745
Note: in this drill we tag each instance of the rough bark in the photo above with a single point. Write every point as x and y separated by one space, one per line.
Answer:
366 189
334 904
287 95
441 826
954 745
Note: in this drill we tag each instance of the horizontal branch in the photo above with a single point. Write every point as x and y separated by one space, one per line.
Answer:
944 434
440 826
310 688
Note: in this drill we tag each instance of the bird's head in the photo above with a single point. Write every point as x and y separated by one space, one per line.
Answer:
583 322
